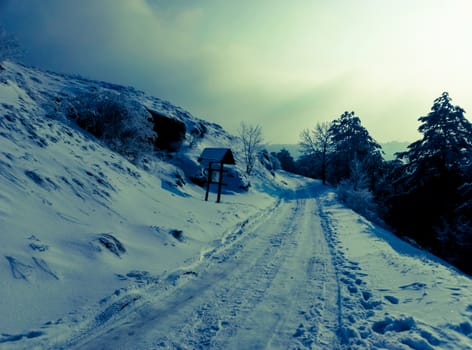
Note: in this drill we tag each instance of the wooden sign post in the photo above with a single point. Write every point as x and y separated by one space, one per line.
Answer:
218 157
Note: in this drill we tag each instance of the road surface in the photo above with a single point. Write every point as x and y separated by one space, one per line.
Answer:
270 285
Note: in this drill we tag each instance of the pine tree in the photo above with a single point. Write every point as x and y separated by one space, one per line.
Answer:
352 142
446 144
286 160
431 201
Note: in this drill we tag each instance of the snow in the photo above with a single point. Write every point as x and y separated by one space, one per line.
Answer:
98 253
10 93
422 301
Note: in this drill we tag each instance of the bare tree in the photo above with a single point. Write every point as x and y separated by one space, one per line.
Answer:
316 143
251 139
9 46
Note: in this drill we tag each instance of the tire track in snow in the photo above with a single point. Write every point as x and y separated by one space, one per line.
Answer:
225 307
252 292
170 293
310 296
300 309
272 286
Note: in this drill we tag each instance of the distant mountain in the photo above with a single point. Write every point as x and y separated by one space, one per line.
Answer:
389 148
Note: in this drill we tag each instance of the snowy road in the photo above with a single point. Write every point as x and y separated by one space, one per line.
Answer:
272 285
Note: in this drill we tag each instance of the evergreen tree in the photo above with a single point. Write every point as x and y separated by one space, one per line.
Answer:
431 199
446 145
459 237
308 166
352 142
286 160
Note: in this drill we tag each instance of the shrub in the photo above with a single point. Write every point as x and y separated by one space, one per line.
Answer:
361 200
197 132
121 122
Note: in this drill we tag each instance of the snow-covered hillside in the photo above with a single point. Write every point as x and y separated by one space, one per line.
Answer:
99 253
64 196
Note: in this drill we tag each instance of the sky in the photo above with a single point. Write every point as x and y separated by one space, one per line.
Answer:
285 66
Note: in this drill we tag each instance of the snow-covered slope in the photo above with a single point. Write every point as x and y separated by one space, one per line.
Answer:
97 252
64 196
395 295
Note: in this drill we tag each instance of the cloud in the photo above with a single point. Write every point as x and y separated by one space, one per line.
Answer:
105 39
283 65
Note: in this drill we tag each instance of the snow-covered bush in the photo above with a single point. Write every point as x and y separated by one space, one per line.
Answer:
361 200
355 194
124 124
196 134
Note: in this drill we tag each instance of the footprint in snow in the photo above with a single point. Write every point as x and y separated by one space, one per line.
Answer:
7 338
43 266
18 269
392 299
414 286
